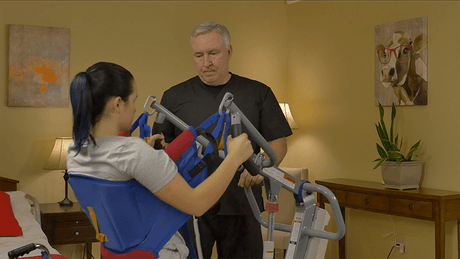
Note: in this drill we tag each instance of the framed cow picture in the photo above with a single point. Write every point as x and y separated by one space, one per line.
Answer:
401 51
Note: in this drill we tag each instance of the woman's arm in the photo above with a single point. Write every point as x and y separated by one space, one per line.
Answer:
196 201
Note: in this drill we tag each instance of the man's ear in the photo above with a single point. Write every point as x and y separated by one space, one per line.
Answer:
230 51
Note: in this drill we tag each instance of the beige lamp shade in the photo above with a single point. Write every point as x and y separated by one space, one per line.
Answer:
288 115
58 157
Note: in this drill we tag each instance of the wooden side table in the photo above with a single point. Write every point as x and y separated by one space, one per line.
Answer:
423 203
67 225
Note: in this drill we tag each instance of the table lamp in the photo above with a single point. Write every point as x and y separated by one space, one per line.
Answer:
58 161
288 115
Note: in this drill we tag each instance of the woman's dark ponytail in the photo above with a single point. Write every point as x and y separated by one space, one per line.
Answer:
82 109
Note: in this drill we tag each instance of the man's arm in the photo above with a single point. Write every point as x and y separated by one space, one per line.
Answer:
280 148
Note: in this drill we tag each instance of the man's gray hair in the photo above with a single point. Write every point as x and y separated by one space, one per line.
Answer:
210 26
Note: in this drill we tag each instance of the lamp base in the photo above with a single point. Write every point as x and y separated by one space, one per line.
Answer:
66 203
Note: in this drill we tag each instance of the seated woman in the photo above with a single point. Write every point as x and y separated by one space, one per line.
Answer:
102 101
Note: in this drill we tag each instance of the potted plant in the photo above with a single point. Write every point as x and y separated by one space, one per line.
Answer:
398 171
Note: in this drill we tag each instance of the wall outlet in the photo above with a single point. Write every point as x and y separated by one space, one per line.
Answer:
402 244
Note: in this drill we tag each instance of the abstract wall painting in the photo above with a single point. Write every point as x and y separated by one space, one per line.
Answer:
401 51
38 60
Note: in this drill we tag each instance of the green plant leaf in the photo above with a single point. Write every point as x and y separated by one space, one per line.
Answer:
412 150
383 137
393 116
379 163
382 123
381 111
379 130
400 144
395 156
382 152
390 146
393 147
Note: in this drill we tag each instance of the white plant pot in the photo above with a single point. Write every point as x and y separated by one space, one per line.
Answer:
402 176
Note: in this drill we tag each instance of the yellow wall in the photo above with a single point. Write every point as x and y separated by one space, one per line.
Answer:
331 90
316 55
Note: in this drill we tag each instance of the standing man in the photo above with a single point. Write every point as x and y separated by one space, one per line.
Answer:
230 223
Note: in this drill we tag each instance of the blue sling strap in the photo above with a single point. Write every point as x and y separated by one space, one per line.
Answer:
144 128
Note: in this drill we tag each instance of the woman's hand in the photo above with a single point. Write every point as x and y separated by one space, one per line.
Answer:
239 148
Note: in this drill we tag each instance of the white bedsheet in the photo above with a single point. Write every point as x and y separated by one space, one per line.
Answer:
32 231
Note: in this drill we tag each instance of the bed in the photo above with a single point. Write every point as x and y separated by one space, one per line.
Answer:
23 215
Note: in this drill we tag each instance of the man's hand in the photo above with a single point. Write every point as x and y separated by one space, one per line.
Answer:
246 179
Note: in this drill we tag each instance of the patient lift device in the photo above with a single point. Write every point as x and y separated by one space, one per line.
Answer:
309 220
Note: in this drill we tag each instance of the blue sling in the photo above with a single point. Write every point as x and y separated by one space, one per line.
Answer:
128 215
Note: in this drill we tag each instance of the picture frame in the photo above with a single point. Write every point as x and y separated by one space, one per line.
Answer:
401 71
38 59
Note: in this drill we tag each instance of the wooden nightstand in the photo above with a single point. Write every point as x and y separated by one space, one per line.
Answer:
66 225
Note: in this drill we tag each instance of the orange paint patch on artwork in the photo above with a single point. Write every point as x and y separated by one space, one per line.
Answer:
48 75
16 73
43 88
